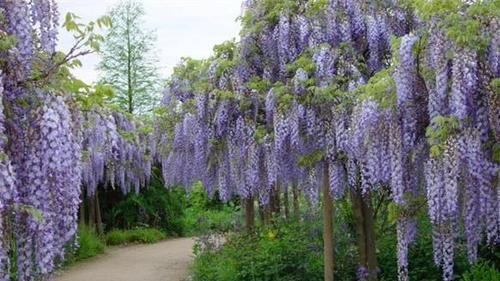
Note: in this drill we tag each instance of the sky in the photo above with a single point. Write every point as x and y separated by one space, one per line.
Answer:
184 28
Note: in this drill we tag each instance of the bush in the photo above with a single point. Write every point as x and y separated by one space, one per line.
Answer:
294 252
139 235
482 271
287 252
89 245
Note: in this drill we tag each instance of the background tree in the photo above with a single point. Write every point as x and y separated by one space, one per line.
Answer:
128 61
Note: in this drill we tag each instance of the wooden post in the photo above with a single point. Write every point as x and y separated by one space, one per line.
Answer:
327 227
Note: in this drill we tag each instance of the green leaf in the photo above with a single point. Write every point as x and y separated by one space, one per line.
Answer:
32 211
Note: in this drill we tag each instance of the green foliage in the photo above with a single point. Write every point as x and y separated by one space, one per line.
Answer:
204 215
89 245
276 254
223 66
31 211
86 96
420 255
271 12
495 86
466 32
194 71
138 235
6 41
259 84
482 271
463 20
304 61
86 32
429 8
283 95
54 70
260 134
496 152
381 88
197 222
312 158
128 59
225 49
154 207
316 6
441 128
285 251
332 94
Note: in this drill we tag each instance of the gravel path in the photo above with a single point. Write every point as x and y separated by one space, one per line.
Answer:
164 261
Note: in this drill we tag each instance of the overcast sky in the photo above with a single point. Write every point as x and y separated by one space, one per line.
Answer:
183 27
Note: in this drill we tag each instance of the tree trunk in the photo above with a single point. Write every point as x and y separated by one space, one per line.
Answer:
327 227
370 239
82 211
262 214
272 203
277 201
296 203
286 203
91 207
98 217
249 215
365 233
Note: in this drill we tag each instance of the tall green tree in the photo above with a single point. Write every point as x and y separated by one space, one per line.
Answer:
128 59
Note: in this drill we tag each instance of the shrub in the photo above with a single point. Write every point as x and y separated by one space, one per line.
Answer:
294 252
89 245
139 235
482 271
286 252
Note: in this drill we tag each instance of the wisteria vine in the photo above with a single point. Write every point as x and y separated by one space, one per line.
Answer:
366 90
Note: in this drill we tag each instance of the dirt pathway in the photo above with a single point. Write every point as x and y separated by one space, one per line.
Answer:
164 261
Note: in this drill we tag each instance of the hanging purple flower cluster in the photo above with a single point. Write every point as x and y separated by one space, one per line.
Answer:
117 152
54 166
7 191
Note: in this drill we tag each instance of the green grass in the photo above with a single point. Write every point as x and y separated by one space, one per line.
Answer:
138 235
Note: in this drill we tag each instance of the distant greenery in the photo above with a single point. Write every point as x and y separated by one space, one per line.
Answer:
155 207
139 235
204 215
